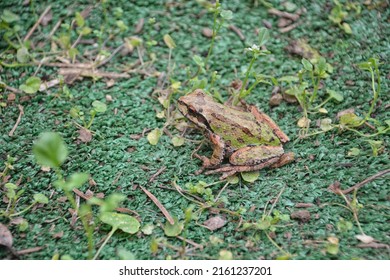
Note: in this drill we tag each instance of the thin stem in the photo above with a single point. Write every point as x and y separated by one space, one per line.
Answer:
236 97
275 244
323 103
91 120
212 39
23 211
105 242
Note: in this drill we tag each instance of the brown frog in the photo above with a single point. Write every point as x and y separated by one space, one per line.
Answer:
248 138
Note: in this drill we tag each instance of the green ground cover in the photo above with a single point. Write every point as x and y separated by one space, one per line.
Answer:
120 159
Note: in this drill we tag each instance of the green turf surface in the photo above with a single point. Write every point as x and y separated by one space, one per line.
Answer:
117 162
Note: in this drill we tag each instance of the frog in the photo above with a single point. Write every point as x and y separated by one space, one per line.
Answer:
242 137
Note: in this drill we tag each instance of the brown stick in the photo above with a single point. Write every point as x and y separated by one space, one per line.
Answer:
362 183
278 13
21 112
289 28
236 30
36 24
92 73
29 250
159 205
154 176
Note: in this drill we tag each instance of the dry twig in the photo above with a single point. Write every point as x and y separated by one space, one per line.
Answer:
21 112
36 24
362 183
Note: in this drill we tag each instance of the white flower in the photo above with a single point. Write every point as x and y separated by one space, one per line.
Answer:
254 48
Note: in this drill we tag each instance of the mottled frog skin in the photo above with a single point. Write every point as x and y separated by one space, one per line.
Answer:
248 138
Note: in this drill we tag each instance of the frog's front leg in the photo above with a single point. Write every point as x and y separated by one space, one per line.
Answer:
218 152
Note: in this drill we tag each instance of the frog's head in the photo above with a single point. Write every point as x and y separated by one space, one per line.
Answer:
192 105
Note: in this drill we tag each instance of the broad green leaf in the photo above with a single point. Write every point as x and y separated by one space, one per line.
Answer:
9 16
226 14
154 136
321 65
50 150
307 65
335 95
22 55
169 41
79 20
10 186
41 198
250 177
264 224
120 221
173 230
263 36
177 141
76 180
31 85
350 119
99 106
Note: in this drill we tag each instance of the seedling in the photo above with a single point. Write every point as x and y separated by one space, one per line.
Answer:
98 107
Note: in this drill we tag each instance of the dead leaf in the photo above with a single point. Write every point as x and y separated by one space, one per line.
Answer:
110 83
89 194
346 111
302 215
303 205
214 223
275 99
58 235
207 32
289 98
374 245
303 49
366 239
100 195
85 135
283 22
5 236
139 26
47 18
45 168
11 97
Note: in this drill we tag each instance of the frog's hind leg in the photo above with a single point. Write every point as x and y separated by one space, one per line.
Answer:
218 152
262 117
233 169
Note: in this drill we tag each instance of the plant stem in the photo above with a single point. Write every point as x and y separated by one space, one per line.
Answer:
275 244
236 97
23 211
105 242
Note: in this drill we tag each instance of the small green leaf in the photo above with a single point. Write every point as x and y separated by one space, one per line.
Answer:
22 55
173 230
112 202
147 229
121 221
10 186
225 255
9 16
288 79
85 30
250 177
31 85
198 60
226 14
169 41
332 249
233 179
99 106
76 180
347 28
123 254
177 141
50 150
263 36
376 146
154 136
322 65
79 20
73 52
307 65
335 95
354 152
41 198
23 225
